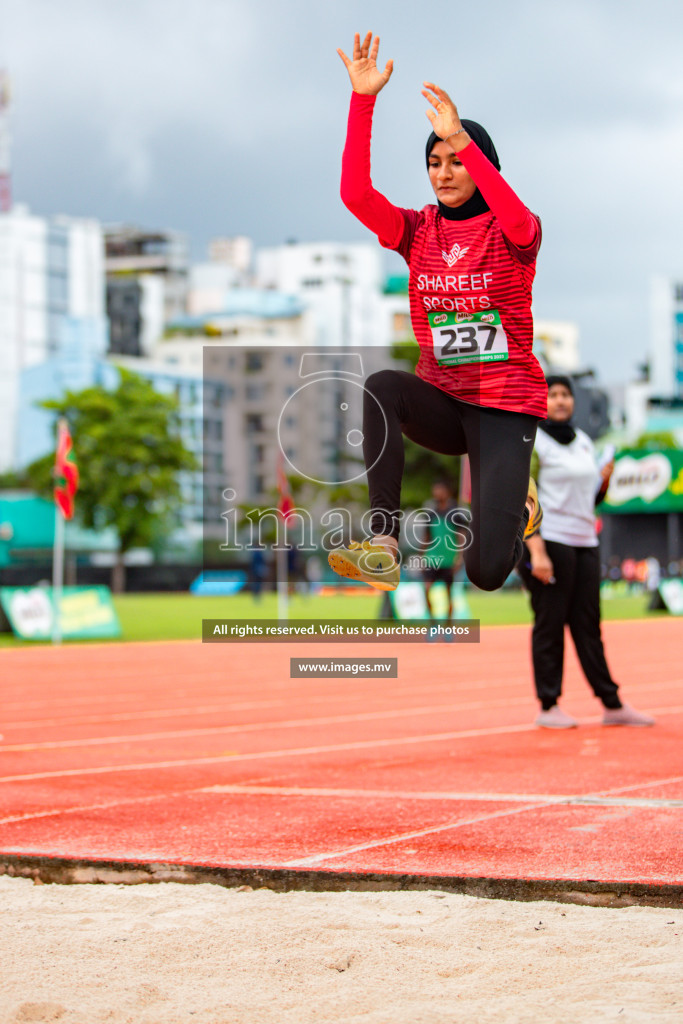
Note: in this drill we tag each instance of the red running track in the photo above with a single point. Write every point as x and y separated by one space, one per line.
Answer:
211 755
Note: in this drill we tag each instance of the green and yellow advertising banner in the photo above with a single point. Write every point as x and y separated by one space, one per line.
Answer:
86 613
645 481
671 592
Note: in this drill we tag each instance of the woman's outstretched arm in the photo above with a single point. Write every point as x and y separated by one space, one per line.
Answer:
357 192
516 221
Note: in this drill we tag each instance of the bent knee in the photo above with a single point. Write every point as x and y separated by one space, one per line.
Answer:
487 580
487 576
382 382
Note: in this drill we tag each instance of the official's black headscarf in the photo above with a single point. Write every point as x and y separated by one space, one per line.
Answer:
561 431
476 204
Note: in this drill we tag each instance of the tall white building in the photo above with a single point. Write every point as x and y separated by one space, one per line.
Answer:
281 391
146 285
556 344
249 349
341 284
51 274
666 337
236 252
209 285
655 404
5 141
227 269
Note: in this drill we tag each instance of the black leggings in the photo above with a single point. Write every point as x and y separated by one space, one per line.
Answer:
572 600
499 444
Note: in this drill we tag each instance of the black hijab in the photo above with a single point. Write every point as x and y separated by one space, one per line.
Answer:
561 431
476 204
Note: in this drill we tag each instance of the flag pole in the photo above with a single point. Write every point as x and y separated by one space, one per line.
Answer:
285 507
57 577
282 585
66 484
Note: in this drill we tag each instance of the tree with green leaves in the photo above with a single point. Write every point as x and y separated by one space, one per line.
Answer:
655 441
14 480
130 453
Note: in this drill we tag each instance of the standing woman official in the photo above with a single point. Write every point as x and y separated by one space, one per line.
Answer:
561 564
477 388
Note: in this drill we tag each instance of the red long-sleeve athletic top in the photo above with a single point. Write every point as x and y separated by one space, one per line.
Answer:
470 280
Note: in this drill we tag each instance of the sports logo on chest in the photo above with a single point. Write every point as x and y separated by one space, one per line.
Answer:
456 253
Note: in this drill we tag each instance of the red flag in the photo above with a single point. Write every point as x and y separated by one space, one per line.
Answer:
65 472
285 505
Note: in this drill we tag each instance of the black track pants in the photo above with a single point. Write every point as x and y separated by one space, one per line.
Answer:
499 445
574 600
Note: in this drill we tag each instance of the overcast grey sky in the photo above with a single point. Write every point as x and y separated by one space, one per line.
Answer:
228 117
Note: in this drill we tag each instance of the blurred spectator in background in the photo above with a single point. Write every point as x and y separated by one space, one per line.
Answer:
441 544
629 572
561 564
258 572
654 573
314 573
641 573
294 571
614 569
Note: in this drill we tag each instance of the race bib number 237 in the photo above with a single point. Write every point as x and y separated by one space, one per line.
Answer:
468 337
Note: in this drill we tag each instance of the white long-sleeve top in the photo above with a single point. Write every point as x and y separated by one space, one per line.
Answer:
568 481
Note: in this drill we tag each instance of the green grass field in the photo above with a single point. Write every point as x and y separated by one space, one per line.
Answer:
179 616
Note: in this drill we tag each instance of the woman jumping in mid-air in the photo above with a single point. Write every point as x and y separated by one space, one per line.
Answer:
477 388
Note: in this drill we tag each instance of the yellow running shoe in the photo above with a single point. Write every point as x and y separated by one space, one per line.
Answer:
536 516
367 562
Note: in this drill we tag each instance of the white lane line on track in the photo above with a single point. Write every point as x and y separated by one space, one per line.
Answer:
402 837
173 712
672 780
267 754
386 794
318 858
538 799
294 723
88 698
165 686
292 752
252 705
57 812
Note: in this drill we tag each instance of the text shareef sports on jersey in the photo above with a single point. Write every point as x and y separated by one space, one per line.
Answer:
455 283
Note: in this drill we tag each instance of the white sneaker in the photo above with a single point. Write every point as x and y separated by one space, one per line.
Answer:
555 718
626 716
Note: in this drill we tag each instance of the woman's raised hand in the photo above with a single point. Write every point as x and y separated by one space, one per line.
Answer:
365 77
444 117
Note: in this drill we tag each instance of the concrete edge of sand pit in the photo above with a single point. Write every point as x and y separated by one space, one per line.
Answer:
589 892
